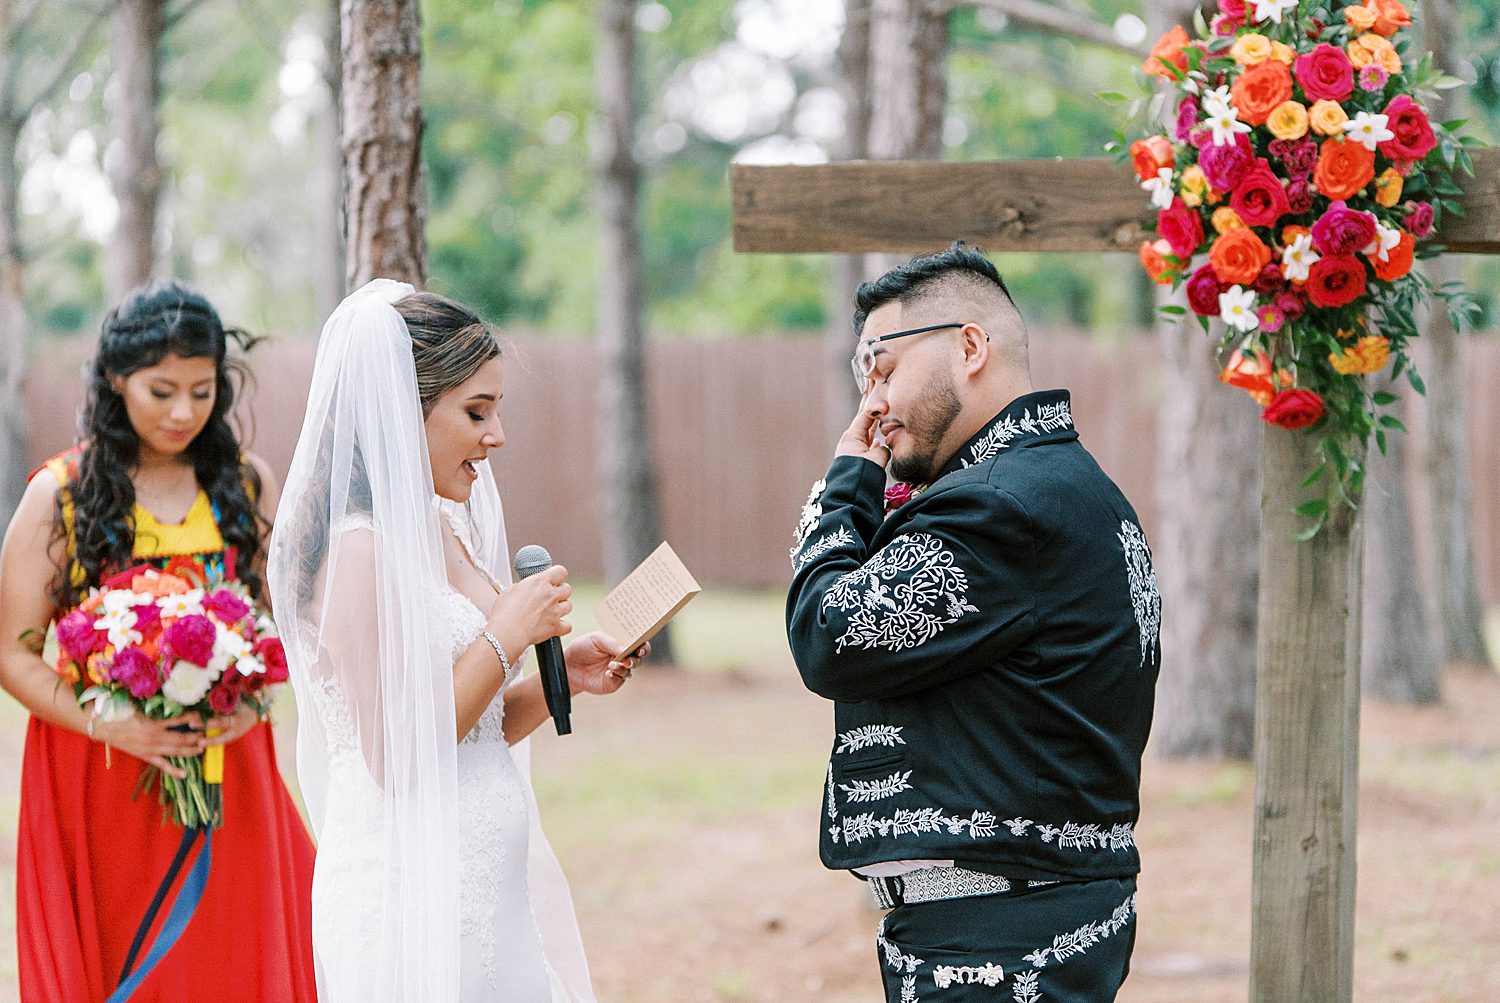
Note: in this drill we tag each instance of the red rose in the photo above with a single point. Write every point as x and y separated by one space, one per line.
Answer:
273 656
1259 199
77 637
1294 408
1290 304
1335 280
1270 280
191 639
1180 227
1414 138
224 697
1203 291
1325 74
134 670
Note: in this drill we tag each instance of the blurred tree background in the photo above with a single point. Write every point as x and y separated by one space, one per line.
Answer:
249 196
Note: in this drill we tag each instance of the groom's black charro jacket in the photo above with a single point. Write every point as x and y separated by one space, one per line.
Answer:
991 649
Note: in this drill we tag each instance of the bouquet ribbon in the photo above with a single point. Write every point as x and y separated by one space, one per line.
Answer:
183 907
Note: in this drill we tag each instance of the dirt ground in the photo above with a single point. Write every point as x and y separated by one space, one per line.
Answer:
685 811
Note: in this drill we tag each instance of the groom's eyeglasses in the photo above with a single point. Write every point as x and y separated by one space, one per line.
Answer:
863 362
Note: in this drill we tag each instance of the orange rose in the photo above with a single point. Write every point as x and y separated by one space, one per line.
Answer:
158 584
1288 121
1289 234
1327 118
1359 18
1398 259
1238 256
1368 355
1154 260
1251 48
1260 89
1344 168
1388 187
1150 155
1168 50
1225 219
1390 16
1372 48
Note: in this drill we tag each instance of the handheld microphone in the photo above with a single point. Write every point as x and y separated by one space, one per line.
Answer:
549 654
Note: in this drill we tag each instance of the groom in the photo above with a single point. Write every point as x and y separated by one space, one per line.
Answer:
990 645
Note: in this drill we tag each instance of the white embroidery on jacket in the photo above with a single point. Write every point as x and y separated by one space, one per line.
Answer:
902 597
812 511
864 791
912 821
869 735
1025 990
1144 596
808 552
988 974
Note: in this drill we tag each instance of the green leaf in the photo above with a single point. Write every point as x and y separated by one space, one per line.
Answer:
1416 382
1384 397
1391 421
1313 477
1310 532
1112 97
1380 440
1172 310
1310 509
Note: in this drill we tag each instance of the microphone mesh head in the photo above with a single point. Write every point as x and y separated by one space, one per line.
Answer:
531 559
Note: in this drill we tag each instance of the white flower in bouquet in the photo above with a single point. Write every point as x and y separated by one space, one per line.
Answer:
1387 238
1298 258
1369 129
182 605
1237 309
187 684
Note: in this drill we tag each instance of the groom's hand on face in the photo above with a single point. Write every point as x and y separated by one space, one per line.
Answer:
859 439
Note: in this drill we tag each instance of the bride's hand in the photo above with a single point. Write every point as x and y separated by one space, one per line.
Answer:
594 667
534 608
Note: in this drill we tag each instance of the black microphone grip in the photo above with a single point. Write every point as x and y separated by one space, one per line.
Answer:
549 654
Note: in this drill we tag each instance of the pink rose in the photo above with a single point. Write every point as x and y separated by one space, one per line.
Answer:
1299 155
1225 165
1325 74
224 697
77 637
1342 230
1187 117
1419 219
273 655
1299 195
1180 227
191 639
1258 198
134 670
1270 280
228 607
1290 304
1203 290
1414 137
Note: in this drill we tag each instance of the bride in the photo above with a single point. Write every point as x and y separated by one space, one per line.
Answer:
388 571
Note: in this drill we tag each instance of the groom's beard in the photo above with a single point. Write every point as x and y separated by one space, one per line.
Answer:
925 428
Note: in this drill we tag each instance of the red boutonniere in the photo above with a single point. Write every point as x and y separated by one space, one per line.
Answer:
899 494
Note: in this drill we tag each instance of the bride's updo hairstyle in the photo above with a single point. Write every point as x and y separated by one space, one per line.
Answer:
448 344
153 321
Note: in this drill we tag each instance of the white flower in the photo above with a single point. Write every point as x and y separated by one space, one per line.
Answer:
1386 239
1369 129
1297 260
1272 9
120 623
187 684
249 665
182 605
1237 308
1216 101
119 600
1160 188
1224 124
111 706
229 645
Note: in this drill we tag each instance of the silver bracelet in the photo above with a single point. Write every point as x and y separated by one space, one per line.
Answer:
88 729
504 662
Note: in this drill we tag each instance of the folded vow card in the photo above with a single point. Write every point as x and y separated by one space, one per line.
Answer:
641 605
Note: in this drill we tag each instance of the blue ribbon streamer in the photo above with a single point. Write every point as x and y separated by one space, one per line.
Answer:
183 907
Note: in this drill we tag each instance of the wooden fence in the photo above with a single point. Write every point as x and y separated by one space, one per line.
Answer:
738 432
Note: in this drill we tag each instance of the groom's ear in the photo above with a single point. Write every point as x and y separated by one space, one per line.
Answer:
975 343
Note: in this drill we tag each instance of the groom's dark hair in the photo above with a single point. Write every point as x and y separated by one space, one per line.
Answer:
926 273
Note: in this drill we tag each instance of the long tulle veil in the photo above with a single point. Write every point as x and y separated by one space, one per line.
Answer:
355 553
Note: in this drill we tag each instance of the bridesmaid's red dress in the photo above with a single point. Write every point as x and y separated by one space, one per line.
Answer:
89 856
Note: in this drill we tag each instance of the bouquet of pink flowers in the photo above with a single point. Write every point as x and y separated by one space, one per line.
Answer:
1301 163
162 643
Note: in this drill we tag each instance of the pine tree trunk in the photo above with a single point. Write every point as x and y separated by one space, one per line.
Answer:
626 464
1460 616
384 176
12 310
135 172
1398 660
329 273
848 272
1205 542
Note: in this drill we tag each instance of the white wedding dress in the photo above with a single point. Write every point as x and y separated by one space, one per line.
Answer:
493 832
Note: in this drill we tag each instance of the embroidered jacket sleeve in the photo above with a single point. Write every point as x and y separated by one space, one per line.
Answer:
941 596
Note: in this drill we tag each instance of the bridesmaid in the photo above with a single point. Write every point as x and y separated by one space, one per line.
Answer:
157 473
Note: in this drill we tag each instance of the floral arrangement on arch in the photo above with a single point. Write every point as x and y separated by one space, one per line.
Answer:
1302 164
161 643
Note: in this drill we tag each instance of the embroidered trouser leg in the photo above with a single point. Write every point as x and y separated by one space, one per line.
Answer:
1060 943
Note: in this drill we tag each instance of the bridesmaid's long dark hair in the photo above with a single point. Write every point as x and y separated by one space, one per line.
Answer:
154 321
